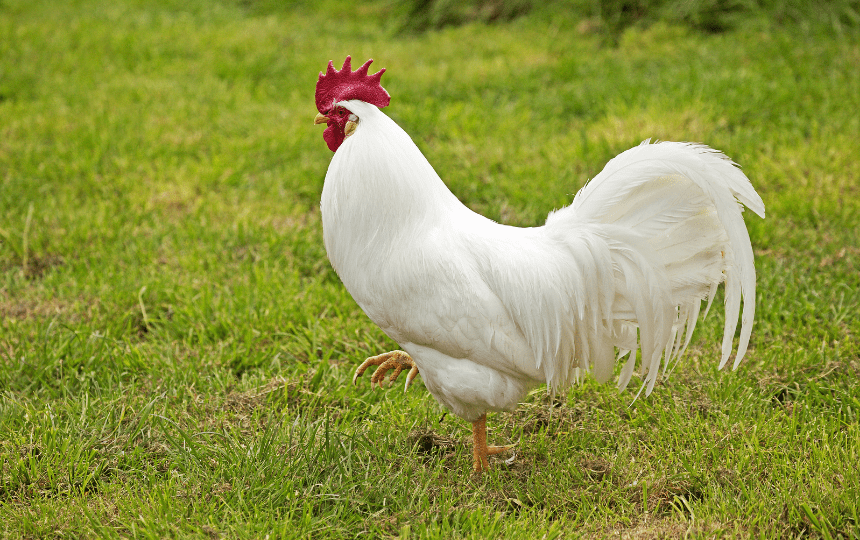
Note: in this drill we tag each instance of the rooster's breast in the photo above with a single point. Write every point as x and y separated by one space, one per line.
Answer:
433 300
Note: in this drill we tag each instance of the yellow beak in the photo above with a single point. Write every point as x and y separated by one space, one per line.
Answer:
320 118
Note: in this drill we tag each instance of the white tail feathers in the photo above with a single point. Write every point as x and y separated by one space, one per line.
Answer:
670 216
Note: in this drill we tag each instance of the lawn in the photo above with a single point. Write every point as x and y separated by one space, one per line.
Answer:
176 353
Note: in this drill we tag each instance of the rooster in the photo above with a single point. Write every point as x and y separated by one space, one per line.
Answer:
486 312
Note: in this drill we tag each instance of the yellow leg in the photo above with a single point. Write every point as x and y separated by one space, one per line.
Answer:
480 450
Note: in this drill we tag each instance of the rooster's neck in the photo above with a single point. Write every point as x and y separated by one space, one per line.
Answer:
380 194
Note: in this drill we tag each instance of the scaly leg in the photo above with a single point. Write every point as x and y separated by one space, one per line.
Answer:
480 450
396 360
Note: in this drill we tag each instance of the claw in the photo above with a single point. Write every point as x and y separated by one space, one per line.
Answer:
410 377
394 360
359 371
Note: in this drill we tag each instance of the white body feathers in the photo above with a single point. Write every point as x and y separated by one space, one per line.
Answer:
488 311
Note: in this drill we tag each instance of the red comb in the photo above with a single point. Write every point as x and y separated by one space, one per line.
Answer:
343 85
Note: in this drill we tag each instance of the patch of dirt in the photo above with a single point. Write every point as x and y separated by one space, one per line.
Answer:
251 399
595 467
29 309
788 387
661 528
35 266
427 441
39 266
537 421
667 494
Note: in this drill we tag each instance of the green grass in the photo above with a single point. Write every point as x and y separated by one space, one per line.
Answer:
176 352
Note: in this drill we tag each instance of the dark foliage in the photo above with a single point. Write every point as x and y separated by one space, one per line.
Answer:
614 16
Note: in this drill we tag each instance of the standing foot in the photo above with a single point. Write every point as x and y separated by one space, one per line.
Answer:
480 450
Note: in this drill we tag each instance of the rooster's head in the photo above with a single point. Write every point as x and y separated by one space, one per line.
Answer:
335 86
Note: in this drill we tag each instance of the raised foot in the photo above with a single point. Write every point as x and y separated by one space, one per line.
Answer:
396 360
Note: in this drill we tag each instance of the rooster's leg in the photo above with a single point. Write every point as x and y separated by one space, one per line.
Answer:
480 450
396 360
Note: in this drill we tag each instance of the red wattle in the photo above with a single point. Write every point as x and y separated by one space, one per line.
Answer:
333 136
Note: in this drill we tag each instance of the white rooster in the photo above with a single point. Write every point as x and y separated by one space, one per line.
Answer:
487 312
